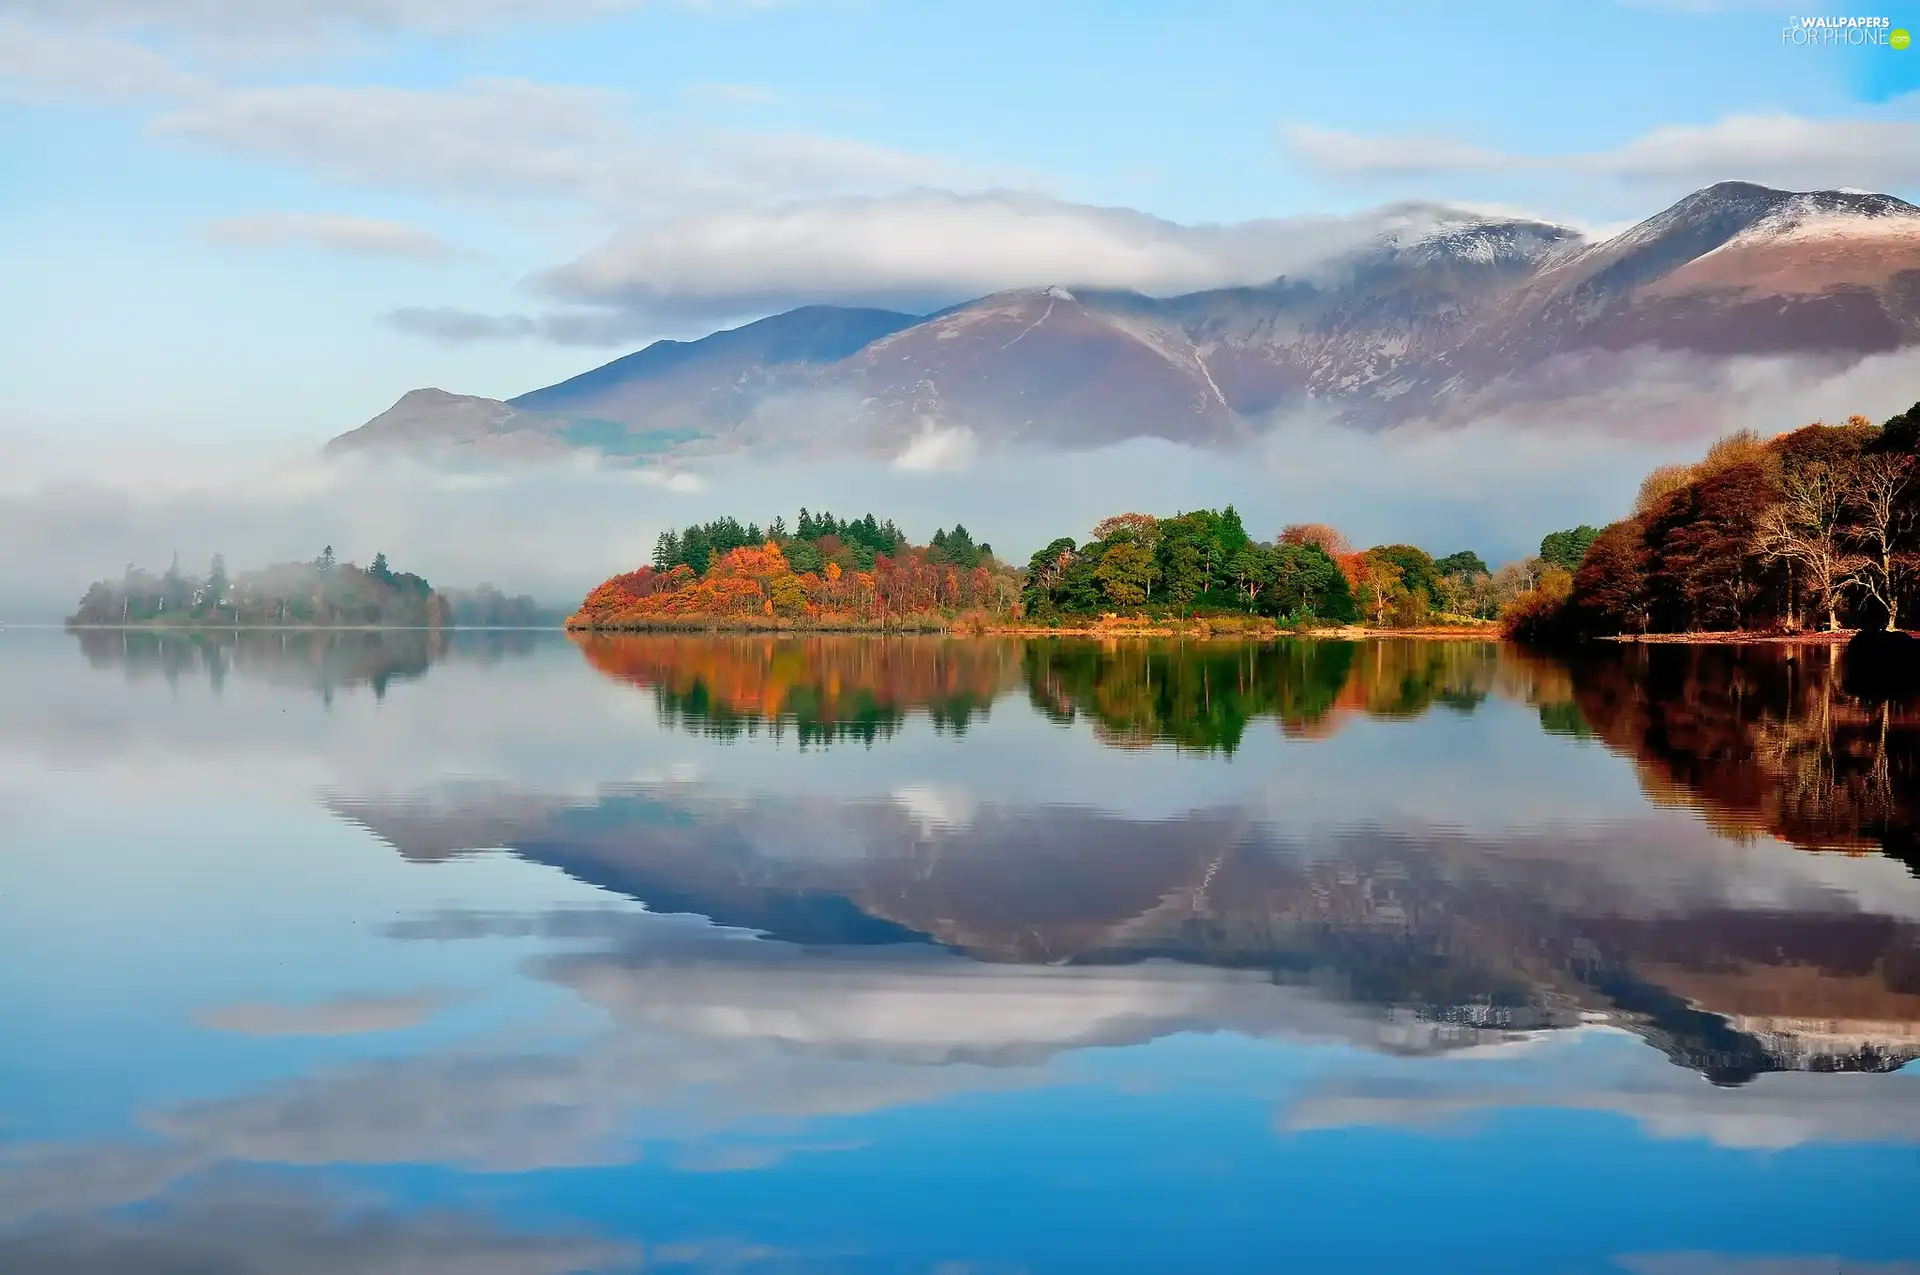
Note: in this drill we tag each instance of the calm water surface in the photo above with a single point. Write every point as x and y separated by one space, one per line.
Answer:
504 955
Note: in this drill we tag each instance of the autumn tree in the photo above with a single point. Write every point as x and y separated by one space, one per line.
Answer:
1376 582
1320 534
1609 591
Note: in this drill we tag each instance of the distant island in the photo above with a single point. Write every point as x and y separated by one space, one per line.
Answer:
321 593
1136 573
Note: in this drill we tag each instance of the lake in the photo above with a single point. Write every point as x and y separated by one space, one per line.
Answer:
507 954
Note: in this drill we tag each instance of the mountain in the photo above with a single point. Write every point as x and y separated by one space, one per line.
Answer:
1474 316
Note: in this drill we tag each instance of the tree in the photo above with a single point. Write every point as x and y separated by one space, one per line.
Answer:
1141 528
1250 568
217 580
1330 541
1658 485
1565 549
1901 434
1610 588
1375 582
1045 572
1418 571
1877 496
380 570
325 560
1804 529
1465 562
1125 573
1183 567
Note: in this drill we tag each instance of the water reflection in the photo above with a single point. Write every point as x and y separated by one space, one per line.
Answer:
324 661
823 688
1075 958
1762 739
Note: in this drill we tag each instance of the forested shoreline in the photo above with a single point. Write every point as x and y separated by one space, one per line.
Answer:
1138 570
1814 530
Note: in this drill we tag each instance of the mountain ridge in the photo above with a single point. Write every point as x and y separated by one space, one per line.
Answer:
1467 314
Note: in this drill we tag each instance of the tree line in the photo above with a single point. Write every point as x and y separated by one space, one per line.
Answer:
1201 562
1205 561
1817 528
825 569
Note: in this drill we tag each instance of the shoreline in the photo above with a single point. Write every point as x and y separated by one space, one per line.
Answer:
1224 628
299 628
1738 637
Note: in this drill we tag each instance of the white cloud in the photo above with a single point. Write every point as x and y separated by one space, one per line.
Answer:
1589 1072
364 235
44 64
520 138
283 22
1789 151
926 246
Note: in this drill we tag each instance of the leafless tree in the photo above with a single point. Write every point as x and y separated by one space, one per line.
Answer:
1882 520
1806 529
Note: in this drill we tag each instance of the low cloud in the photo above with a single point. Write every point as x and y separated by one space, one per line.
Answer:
557 526
935 449
925 248
1789 151
366 236
347 1016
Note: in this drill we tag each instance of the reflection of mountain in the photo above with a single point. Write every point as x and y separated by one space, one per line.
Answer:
1528 934
324 661
1762 739
1726 970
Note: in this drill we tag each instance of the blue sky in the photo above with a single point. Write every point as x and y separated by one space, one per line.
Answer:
266 219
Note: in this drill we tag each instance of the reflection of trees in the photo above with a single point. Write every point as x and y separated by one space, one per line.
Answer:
1762 740
1202 695
1199 696
825 688
322 661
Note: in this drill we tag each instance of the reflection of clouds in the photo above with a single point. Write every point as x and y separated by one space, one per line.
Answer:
709 1030
281 1233
935 806
924 1007
344 1016
1776 1110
